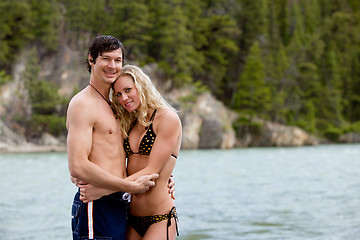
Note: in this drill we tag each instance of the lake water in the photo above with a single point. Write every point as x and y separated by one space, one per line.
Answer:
253 193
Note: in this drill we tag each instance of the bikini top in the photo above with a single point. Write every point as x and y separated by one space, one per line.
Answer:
146 143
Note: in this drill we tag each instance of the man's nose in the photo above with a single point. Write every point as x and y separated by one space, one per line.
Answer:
111 64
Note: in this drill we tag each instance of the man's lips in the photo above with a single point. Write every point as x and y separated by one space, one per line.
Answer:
110 74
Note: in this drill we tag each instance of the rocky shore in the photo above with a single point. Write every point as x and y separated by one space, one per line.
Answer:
30 148
15 143
207 124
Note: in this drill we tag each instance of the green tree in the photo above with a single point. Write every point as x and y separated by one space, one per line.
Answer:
252 22
16 23
253 95
130 20
220 47
44 99
46 16
277 64
281 12
4 78
84 17
342 31
173 47
217 43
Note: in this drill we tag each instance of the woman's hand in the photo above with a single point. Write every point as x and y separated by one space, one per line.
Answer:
77 181
89 193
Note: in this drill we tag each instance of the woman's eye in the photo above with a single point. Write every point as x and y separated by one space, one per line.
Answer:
128 90
118 94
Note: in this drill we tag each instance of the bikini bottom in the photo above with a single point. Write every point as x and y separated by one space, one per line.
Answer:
142 223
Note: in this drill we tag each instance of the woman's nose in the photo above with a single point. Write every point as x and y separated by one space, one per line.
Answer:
123 97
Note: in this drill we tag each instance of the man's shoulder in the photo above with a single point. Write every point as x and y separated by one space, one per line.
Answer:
82 104
81 99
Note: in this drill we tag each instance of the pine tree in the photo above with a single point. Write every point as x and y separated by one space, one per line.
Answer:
130 20
280 10
173 47
253 94
46 15
16 28
44 100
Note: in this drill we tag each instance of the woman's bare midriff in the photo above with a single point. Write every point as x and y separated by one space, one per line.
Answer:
157 200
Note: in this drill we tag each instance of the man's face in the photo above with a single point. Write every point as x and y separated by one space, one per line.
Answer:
107 66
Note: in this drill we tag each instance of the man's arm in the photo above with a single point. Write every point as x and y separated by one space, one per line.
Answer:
79 143
90 193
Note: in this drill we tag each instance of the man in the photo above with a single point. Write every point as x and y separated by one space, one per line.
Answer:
95 147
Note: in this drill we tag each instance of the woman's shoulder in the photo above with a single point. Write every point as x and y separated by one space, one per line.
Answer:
165 114
167 117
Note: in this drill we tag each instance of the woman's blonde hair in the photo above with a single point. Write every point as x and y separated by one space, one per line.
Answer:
149 98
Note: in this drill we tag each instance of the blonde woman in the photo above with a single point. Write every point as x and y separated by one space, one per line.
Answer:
152 131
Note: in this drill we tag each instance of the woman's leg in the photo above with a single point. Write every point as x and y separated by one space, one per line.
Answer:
131 234
158 231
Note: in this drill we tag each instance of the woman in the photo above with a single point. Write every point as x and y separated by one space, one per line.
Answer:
152 131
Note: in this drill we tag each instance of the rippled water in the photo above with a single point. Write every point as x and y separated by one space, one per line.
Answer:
253 193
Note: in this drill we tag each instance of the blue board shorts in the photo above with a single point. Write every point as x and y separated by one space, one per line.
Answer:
104 218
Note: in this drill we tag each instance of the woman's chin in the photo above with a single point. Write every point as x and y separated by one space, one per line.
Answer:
129 109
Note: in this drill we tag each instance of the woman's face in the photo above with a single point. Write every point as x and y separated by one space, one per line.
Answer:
127 93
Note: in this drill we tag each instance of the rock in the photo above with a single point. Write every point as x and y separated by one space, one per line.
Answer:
12 142
7 136
211 134
30 147
275 134
48 140
207 123
191 128
350 138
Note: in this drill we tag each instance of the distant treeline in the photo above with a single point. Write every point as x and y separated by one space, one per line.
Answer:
296 62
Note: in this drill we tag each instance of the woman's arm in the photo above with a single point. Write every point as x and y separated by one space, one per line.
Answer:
168 135
90 193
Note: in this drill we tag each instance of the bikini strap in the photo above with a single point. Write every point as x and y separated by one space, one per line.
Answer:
173 209
151 119
152 116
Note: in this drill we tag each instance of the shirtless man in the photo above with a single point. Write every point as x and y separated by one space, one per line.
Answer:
94 146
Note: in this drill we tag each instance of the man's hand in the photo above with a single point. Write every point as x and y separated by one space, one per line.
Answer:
171 186
144 183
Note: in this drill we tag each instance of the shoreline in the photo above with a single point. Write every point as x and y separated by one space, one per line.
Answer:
30 148
35 148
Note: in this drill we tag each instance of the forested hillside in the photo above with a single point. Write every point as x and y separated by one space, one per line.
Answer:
295 62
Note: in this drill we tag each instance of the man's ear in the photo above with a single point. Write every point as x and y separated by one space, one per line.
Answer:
90 59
